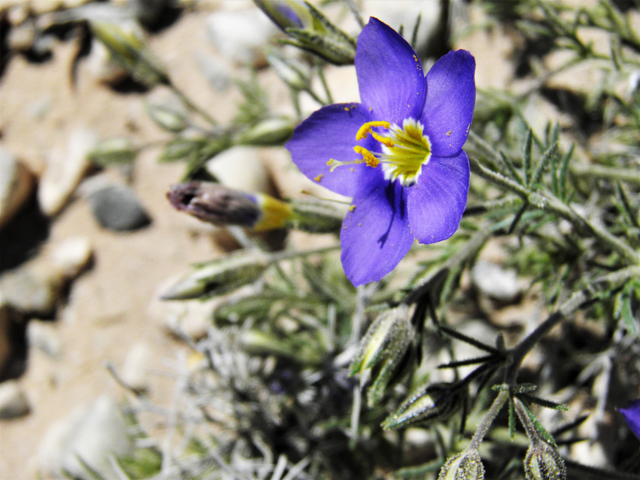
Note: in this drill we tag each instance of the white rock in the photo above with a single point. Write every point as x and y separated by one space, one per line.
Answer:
64 171
13 401
241 36
72 255
495 282
135 371
16 185
242 169
92 433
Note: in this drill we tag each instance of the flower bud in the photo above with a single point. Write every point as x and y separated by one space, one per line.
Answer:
113 151
433 402
464 466
285 13
382 351
214 203
168 118
310 30
219 276
544 463
272 131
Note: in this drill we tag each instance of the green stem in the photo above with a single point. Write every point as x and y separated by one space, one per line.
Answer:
551 204
488 419
190 105
325 85
577 300
610 173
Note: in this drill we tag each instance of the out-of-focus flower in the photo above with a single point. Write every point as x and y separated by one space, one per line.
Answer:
631 414
398 153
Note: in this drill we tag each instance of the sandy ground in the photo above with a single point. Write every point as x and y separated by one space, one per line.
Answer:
107 309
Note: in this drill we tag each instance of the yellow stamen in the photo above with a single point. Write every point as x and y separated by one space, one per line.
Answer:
366 128
383 140
368 157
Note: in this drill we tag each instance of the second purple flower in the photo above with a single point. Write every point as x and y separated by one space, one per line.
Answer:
398 153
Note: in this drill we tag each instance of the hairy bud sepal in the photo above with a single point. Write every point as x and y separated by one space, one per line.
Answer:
544 463
383 351
464 466
219 276
437 402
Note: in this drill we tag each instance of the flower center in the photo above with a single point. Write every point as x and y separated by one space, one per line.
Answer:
404 150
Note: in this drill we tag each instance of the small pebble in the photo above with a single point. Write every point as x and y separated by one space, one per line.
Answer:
116 207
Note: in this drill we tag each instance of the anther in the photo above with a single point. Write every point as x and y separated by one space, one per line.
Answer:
366 128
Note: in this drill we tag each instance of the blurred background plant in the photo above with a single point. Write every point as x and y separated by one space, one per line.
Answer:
530 311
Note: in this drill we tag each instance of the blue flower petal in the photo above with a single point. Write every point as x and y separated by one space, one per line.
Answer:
375 236
438 200
451 96
390 75
330 133
632 416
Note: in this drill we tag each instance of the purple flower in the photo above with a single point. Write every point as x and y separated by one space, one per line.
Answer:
398 153
632 415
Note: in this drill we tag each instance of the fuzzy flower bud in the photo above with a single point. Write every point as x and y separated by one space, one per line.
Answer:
168 118
382 351
315 217
285 13
464 466
219 276
544 463
271 131
310 30
113 151
214 203
433 402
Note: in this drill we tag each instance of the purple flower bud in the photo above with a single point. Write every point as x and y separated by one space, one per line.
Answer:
215 203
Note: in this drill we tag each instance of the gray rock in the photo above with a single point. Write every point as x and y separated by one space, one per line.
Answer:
36 287
16 185
91 433
25 291
117 207
495 282
13 401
